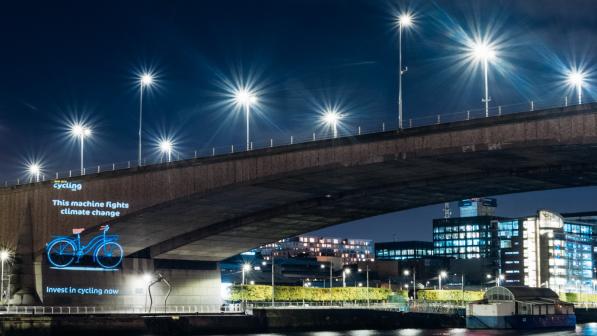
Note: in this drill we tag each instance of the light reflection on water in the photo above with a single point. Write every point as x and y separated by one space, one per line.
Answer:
589 329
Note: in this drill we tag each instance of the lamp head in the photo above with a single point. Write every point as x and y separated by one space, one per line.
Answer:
245 97
483 51
405 20
146 79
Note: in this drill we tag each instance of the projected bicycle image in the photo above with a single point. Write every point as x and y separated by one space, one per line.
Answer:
63 251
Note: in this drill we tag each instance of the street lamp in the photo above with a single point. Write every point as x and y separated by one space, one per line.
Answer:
166 148
577 78
482 51
404 21
4 256
501 278
442 274
245 98
331 117
344 274
34 170
81 131
367 282
246 268
145 80
407 273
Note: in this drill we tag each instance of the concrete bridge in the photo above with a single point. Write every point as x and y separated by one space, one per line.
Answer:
212 208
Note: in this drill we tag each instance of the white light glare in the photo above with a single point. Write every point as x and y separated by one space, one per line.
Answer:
166 146
4 255
34 170
331 117
146 79
79 130
576 78
244 97
483 51
405 20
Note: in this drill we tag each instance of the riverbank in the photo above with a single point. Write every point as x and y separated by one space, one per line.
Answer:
262 320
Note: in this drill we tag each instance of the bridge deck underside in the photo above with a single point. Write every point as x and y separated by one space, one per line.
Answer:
223 223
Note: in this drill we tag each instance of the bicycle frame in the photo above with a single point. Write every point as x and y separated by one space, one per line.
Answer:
92 245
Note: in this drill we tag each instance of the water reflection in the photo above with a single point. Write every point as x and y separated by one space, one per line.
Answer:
589 329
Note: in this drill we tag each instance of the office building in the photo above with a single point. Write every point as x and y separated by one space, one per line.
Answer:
402 250
548 250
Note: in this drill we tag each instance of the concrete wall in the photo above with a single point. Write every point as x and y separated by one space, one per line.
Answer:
128 286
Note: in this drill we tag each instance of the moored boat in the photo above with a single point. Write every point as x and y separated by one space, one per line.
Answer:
520 308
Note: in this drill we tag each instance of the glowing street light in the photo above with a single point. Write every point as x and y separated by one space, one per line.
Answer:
404 21
407 273
81 131
245 98
442 274
484 52
145 80
34 170
577 78
246 268
4 257
166 148
332 117
344 274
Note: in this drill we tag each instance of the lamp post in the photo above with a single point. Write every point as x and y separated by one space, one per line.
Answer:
331 117
81 131
407 273
166 148
441 275
483 52
145 80
577 78
345 272
367 280
34 170
245 98
273 280
4 256
404 21
499 279
246 268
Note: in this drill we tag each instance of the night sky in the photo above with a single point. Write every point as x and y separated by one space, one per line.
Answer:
64 61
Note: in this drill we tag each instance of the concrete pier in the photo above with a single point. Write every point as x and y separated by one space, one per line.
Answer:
262 320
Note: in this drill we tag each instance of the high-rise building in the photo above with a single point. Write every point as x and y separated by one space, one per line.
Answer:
548 250
465 237
537 251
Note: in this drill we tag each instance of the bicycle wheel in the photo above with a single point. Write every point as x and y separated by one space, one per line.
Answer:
61 253
109 255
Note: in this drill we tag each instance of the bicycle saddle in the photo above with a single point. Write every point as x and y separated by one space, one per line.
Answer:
78 230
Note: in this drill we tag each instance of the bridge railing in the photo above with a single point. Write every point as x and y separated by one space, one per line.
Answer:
356 128
158 309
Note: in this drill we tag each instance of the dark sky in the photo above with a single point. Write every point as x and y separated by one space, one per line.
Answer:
79 60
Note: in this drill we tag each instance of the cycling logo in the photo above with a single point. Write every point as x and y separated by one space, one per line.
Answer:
62 251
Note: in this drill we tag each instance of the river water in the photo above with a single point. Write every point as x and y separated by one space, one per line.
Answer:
581 329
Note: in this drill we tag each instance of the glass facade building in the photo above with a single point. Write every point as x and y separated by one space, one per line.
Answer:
464 238
538 251
403 250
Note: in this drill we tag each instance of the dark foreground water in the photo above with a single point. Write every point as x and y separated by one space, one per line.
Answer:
581 329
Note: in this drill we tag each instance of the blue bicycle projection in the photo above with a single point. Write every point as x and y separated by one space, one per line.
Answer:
64 250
